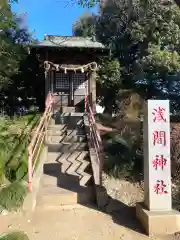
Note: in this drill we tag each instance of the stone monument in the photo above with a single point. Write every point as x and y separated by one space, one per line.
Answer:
155 213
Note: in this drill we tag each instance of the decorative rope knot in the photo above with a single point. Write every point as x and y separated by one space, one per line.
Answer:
92 66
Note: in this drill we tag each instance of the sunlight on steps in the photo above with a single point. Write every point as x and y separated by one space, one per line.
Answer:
67 173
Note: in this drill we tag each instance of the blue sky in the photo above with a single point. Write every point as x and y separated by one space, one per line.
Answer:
53 17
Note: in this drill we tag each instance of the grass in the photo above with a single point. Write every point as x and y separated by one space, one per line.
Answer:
12 196
15 236
15 135
14 138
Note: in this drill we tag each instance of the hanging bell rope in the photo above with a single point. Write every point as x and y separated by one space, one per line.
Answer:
92 66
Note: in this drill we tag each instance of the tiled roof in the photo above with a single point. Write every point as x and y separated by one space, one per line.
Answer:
77 42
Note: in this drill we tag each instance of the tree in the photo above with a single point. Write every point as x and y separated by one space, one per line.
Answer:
88 3
146 45
85 26
108 80
108 84
13 50
92 3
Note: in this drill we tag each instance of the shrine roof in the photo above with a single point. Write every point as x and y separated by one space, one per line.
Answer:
70 42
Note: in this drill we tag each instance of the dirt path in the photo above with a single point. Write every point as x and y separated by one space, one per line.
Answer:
71 224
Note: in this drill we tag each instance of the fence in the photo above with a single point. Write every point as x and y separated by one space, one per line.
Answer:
37 140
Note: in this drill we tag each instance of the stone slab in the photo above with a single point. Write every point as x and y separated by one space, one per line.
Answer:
56 196
157 162
158 222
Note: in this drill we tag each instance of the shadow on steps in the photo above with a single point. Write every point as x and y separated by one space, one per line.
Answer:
68 185
121 213
71 120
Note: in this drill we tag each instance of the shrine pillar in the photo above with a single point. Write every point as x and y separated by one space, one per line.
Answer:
92 90
155 213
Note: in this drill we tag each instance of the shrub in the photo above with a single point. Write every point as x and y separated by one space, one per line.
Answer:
122 160
15 236
175 151
12 196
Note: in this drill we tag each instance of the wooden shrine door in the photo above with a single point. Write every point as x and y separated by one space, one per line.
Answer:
69 89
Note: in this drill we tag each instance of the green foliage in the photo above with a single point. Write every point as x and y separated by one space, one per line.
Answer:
21 171
109 70
145 40
13 46
6 15
121 158
18 79
108 83
14 140
122 147
2 172
135 39
145 3
85 26
162 61
88 3
12 196
15 236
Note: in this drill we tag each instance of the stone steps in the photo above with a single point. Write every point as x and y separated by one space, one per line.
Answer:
81 170
65 139
65 131
78 168
74 206
60 183
70 119
59 127
64 147
74 164
56 197
67 161
62 128
56 135
67 175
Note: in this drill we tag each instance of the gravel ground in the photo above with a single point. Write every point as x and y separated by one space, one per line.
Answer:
74 224
118 223
123 191
124 196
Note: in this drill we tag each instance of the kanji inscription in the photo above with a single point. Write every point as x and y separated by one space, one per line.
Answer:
159 137
159 114
157 166
159 162
160 187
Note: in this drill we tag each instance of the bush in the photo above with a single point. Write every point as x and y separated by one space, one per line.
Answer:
122 160
14 139
12 196
15 236
175 152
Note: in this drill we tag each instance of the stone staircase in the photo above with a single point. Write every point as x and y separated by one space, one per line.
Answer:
67 174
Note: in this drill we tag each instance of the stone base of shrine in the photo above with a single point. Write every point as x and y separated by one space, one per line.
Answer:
158 222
